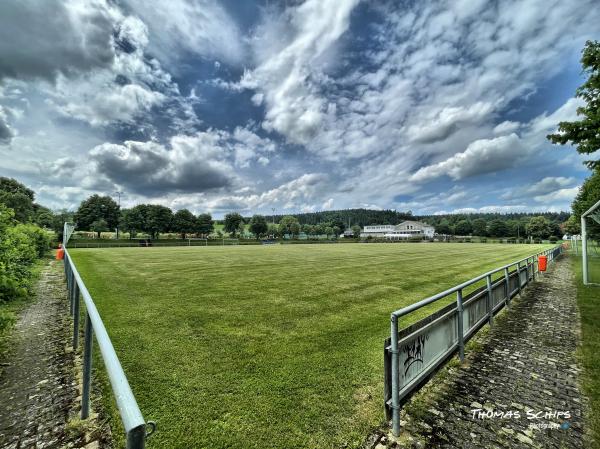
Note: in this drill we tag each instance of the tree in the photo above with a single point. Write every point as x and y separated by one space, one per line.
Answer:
10 185
184 222
258 226
443 227
336 230
356 231
572 226
204 224
95 208
498 228
480 227
43 216
232 223
584 133
289 225
328 231
20 203
133 220
19 198
157 219
539 228
99 226
588 195
463 227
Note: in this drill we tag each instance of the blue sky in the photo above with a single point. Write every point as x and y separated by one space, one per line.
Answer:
298 106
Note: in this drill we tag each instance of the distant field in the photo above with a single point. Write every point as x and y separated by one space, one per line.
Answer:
270 346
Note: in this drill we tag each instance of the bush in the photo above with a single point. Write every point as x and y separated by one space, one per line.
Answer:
20 246
553 239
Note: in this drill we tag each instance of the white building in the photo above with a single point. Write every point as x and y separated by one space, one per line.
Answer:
404 230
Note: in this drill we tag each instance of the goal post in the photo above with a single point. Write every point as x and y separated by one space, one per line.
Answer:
593 213
68 229
197 242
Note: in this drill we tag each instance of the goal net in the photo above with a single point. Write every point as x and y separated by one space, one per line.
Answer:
68 229
590 250
231 242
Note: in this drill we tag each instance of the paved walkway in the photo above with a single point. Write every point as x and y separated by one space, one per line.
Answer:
38 388
526 366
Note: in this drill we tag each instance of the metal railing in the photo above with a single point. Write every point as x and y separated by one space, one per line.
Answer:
412 355
133 422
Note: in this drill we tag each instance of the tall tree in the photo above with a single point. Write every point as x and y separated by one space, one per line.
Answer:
480 227
133 220
184 222
158 219
289 225
232 223
498 228
585 133
258 226
204 224
95 208
19 198
539 228
463 227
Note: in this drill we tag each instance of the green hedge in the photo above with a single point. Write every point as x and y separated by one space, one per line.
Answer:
20 246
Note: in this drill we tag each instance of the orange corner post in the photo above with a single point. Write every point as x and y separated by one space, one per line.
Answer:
542 263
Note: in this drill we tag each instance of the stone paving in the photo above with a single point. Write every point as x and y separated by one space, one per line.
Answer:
39 388
525 372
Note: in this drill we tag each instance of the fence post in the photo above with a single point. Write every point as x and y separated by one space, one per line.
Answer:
488 280
461 340
87 368
507 282
519 276
395 377
76 303
136 438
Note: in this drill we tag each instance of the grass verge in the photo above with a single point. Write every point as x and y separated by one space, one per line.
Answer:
588 299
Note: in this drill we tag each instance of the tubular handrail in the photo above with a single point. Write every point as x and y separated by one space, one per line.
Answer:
131 416
417 305
459 345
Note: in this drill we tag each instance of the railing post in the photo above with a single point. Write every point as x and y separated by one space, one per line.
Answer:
519 276
488 280
136 438
76 303
395 377
461 340
87 368
507 282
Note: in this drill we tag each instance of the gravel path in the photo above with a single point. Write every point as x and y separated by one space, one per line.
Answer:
527 365
38 388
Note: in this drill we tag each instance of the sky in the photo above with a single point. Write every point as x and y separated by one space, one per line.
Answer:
294 106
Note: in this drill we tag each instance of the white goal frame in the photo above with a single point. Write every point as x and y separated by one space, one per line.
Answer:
68 229
190 240
593 213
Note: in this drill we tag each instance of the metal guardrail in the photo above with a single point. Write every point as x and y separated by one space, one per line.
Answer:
412 355
133 421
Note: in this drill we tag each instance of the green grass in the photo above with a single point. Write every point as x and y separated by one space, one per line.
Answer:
271 346
588 299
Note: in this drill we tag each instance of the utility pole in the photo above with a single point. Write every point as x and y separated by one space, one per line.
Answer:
118 193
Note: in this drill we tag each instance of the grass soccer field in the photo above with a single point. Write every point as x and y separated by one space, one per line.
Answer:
266 346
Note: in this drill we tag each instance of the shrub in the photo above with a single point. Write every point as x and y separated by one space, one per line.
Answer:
553 239
20 246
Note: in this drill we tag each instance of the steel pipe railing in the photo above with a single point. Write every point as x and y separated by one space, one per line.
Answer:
530 269
136 428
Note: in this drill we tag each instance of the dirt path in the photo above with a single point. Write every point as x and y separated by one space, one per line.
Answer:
38 388
527 365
